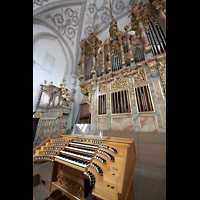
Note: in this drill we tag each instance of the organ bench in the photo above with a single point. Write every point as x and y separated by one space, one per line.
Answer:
104 166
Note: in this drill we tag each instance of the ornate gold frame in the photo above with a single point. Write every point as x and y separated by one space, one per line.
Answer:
98 104
122 117
129 102
149 116
150 97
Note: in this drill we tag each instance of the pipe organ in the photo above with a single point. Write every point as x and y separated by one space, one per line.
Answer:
124 76
89 165
54 109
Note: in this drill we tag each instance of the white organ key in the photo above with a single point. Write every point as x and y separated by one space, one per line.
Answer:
71 161
84 145
74 154
82 150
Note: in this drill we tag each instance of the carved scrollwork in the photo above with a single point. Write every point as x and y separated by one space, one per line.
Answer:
150 18
102 87
140 77
66 22
119 82
132 93
152 66
162 71
39 2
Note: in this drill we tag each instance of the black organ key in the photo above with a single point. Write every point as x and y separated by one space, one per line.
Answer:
113 150
56 194
107 154
71 160
62 197
53 192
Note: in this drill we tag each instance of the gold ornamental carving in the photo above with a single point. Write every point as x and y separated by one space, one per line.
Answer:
119 82
130 73
83 90
60 113
88 101
47 91
127 56
152 66
150 18
162 71
132 93
140 77
108 97
101 87
67 103
38 114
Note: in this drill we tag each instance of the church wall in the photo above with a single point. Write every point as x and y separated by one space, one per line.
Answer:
45 41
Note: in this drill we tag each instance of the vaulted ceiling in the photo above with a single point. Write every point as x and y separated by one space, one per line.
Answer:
73 20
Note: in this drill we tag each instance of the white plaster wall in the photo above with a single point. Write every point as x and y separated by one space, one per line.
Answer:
41 45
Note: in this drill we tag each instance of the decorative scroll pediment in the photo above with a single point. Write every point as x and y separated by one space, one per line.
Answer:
119 82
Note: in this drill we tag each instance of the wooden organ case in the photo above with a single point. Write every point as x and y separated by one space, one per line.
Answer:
83 164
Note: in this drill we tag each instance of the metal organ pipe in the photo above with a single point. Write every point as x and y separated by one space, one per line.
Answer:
154 45
158 36
155 37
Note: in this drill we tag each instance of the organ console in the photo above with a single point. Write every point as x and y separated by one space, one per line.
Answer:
89 165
